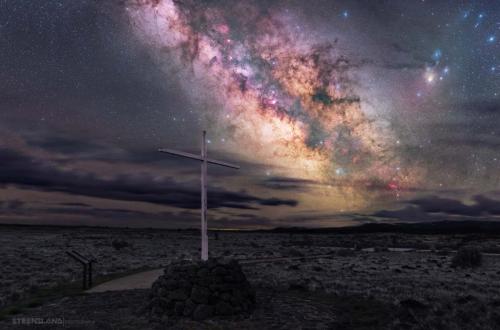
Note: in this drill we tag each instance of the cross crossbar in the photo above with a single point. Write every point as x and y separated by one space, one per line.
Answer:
87 267
78 257
197 157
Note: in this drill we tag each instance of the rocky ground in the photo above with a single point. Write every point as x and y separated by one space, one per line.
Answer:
292 309
346 289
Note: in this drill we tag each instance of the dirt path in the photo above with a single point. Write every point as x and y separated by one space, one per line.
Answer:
142 280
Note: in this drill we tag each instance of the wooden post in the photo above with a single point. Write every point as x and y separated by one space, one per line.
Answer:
90 274
84 276
204 237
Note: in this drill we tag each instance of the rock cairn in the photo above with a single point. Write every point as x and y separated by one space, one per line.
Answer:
201 290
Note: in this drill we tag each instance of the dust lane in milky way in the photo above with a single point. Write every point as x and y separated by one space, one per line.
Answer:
286 100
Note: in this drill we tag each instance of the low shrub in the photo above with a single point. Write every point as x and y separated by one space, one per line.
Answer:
467 257
346 253
119 244
295 253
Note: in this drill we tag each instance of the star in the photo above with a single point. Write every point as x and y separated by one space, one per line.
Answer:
430 76
340 171
436 56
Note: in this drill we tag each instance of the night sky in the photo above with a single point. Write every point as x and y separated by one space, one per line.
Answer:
338 112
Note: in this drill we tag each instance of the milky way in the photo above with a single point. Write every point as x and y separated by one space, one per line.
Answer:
286 100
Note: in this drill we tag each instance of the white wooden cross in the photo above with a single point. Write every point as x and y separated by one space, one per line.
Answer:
204 161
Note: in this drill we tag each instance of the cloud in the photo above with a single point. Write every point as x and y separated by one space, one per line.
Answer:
488 205
434 204
285 183
23 171
75 204
70 149
278 201
54 214
434 208
409 212
11 205
64 145
84 214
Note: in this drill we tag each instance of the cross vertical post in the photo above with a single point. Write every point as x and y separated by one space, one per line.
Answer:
204 235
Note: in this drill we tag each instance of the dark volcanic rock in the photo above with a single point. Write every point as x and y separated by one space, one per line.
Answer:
412 304
203 312
200 294
223 308
201 290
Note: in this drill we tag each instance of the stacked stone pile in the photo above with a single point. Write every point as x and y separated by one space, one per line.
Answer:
200 290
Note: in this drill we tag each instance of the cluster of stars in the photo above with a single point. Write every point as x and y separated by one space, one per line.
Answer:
471 49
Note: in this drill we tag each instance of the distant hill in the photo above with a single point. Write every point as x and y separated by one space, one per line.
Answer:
441 227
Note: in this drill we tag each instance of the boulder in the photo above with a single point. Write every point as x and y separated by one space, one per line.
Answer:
223 308
200 294
202 312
